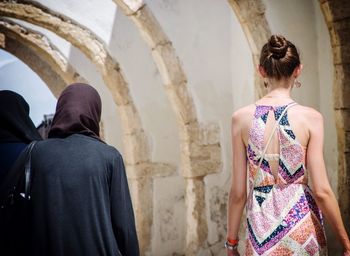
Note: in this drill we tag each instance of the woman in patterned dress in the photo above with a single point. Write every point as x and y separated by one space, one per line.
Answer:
282 144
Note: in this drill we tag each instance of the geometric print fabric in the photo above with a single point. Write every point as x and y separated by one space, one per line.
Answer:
282 215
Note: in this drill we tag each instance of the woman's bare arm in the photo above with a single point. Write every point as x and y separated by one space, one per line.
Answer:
323 193
238 191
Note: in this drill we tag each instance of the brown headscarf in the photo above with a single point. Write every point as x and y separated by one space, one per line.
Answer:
78 110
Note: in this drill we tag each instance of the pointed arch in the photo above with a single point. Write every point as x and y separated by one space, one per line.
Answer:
39 54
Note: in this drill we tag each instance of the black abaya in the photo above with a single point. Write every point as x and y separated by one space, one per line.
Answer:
80 200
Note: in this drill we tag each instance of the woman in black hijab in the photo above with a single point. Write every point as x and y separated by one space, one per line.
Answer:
16 129
80 198
16 132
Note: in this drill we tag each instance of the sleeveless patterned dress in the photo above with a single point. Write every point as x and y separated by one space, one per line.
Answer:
282 215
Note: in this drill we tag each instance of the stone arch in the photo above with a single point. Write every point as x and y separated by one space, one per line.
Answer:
251 16
36 50
94 49
200 144
337 17
39 54
140 168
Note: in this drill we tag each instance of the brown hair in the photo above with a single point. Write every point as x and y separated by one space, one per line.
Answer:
279 57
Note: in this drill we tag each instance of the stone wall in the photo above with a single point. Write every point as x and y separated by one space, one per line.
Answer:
337 16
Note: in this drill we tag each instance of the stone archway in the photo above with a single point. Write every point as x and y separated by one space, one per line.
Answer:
39 54
200 156
337 17
88 43
35 50
140 168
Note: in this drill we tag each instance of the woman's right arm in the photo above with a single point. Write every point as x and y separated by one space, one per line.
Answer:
238 192
323 193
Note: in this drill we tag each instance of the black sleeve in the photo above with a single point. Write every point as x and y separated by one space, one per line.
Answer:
122 213
14 176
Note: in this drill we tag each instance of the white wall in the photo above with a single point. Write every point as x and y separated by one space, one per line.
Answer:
147 90
216 58
93 14
296 21
124 43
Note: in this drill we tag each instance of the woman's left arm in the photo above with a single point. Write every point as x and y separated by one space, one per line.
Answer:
323 193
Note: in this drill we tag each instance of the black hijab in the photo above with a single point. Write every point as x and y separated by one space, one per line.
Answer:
78 110
15 123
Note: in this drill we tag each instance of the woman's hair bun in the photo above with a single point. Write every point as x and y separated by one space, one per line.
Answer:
278 46
279 57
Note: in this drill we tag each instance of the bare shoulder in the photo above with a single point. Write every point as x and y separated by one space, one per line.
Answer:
240 115
308 112
241 121
308 115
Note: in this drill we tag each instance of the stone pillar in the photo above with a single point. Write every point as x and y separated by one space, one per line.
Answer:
337 16
201 155
140 177
197 228
141 189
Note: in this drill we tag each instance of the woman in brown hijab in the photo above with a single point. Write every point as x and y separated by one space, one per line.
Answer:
80 197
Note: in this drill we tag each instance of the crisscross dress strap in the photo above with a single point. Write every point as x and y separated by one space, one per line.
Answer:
273 131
